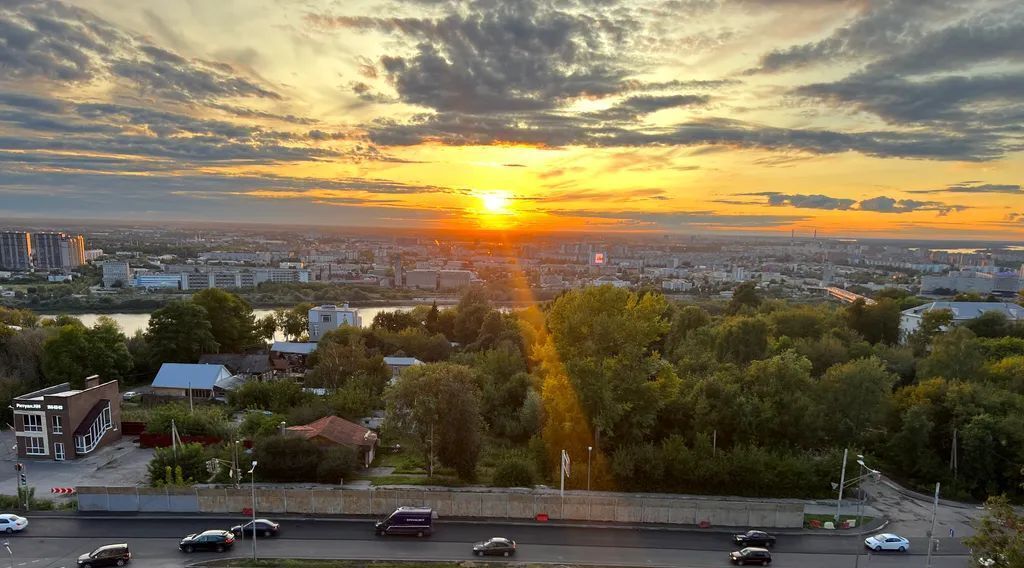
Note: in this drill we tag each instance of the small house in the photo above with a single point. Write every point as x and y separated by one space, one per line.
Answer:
334 431
194 379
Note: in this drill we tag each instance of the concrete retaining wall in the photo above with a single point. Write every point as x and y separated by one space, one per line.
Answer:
466 503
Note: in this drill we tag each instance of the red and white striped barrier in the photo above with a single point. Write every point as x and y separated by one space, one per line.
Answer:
63 490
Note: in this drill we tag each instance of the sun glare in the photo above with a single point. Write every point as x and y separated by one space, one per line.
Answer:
495 202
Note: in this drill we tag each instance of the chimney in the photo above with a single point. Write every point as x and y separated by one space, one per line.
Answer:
92 381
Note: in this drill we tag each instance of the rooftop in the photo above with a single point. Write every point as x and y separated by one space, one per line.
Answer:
191 375
969 310
337 430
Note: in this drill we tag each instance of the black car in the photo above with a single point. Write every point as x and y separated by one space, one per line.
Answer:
751 555
264 527
208 540
109 555
755 538
497 546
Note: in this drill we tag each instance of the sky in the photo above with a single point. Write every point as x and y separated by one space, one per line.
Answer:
849 118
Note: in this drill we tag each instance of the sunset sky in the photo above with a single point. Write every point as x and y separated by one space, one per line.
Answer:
855 118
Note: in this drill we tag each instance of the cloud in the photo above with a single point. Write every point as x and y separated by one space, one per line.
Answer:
878 29
499 57
56 42
975 187
883 204
816 201
880 204
636 106
555 130
676 220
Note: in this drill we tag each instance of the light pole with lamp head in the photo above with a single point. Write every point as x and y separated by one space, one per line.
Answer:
589 450
252 472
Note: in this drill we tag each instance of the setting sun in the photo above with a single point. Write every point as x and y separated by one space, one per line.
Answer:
495 202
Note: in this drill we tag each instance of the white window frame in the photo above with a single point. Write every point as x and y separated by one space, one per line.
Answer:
87 442
58 424
37 422
35 446
58 451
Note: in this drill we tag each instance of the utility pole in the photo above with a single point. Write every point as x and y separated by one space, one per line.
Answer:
931 533
842 481
253 473
589 450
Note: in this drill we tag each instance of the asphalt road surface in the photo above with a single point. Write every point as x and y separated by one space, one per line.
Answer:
57 542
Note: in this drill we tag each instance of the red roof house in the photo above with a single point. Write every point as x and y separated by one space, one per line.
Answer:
334 431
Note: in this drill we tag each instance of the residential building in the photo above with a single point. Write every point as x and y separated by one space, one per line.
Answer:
15 250
288 355
158 280
254 366
57 251
329 317
454 279
93 254
910 319
398 364
422 279
195 380
999 283
333 431
61 423
116 272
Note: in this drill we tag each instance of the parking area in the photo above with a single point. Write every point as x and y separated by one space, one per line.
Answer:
121 464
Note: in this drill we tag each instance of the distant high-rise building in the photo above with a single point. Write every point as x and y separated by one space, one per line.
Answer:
15 250
398 270
116 273
57 251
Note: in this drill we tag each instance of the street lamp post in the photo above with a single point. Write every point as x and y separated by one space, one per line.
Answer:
842 482
860 490
252 472
7 545
590 449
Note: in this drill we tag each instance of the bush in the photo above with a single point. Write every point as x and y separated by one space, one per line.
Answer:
286 458
259 425
203 421
336 464
513 471
275 396
187 468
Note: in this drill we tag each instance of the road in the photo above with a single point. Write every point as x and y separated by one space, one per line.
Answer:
57 542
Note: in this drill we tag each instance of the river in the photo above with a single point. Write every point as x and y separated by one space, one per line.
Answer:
130 323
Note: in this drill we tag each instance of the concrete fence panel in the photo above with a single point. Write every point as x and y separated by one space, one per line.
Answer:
447 502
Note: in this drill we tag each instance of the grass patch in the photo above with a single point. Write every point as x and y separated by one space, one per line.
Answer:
831 518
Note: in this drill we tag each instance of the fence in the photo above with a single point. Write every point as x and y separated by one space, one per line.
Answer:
460 503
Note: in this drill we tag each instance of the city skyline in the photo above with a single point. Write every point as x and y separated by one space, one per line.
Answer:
861 119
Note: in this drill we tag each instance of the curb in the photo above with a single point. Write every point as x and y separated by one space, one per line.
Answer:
463 521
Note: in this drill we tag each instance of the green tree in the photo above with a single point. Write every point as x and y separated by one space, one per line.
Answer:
990 324
294 323
180 332
286 458
744 295
342 355
439 404
432 318
910 448
605 337
336 464
469 315
513 471
877 323
999 536
191 458
231 319
856 397
76 352
955 354
741 340
395 321
275 396
803 322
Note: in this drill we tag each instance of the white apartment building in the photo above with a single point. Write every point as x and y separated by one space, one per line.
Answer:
328 317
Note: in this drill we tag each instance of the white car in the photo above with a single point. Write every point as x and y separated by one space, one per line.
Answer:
887 541
131 395
10 523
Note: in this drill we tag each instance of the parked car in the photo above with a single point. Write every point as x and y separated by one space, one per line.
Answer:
751 555
407 520
264 527
497 546
208 540
131 395
10 523
887 541
754 538
107 555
